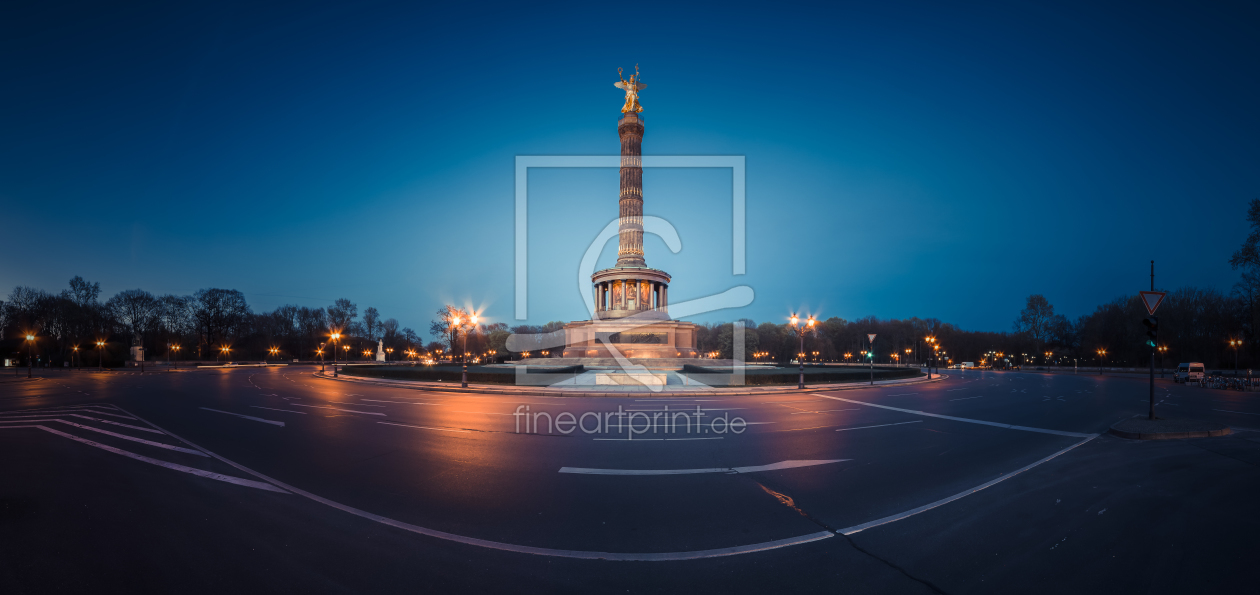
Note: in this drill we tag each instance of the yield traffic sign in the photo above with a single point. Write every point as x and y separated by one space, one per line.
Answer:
871 338
1152 299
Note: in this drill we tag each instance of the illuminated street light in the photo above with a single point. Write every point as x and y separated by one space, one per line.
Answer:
30 344
800 330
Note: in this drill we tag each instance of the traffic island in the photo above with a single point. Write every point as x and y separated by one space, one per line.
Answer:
1141 428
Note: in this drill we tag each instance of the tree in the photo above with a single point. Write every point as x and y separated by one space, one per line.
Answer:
136 311
443 327
371 326
341 314
1036 319
81 292
220 314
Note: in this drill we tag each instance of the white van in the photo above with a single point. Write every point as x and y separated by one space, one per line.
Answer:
1191 372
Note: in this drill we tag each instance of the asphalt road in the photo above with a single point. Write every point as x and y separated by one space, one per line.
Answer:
273 480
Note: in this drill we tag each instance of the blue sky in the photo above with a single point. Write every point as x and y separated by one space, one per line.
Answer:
903 159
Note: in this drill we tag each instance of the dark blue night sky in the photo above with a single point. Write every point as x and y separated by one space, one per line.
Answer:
928 159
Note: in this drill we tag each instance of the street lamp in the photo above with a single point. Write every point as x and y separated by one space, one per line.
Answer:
336 338
1102 353
1235 343
30 344
77 359
1162 350
320 351
801 329
273 351
388 351
461 326
226 352
100 350
175 347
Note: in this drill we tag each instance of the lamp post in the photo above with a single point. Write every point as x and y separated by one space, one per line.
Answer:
100 351
273 351
388 351
30 345
226 353
458 324
1235 343
176 348
334 337
1101 354
78 360
908 356
1162 350
801 328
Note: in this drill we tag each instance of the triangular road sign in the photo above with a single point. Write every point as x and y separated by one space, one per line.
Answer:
1152 299
871 338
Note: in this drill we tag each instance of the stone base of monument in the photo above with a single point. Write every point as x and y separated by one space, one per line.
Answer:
634 339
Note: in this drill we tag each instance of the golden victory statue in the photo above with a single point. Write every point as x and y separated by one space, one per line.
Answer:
632 88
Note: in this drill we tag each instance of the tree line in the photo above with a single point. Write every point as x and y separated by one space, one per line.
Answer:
211 324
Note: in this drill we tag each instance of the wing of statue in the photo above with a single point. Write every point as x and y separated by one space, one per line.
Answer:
619 85
640 87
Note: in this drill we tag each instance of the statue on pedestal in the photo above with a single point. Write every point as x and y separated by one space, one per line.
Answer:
632 88
380 350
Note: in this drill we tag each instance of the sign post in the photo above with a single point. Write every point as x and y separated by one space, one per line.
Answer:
1152 299
871 339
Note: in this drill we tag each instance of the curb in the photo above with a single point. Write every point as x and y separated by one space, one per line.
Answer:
1168 435
485 389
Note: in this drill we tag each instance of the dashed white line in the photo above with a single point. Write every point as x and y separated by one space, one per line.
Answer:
336 409
274 409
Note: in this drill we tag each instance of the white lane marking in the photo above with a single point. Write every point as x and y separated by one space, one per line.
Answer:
966 420
365 405
909 513
274 409
483 412
116 435
823 411
1228 411
682 400
64 410
751 469
336 409
426 427
900 395
266 421
54 415
524 549
965 398
139 457
902 423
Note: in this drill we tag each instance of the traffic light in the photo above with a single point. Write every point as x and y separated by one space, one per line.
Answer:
1152 330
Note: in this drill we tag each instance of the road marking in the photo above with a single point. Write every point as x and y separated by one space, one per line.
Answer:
65 410
266 421
965 398
966 420
177 467
752 469
902 423
117 435
1228 411
524 549
926 507
426 427
900 395
335 409
54 415
274 409
823 411
483 412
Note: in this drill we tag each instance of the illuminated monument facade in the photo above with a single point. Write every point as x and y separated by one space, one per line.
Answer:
631 299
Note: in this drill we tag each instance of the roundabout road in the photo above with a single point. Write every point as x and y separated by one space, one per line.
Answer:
271 478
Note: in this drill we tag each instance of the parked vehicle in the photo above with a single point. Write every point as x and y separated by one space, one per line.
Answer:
1189 372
